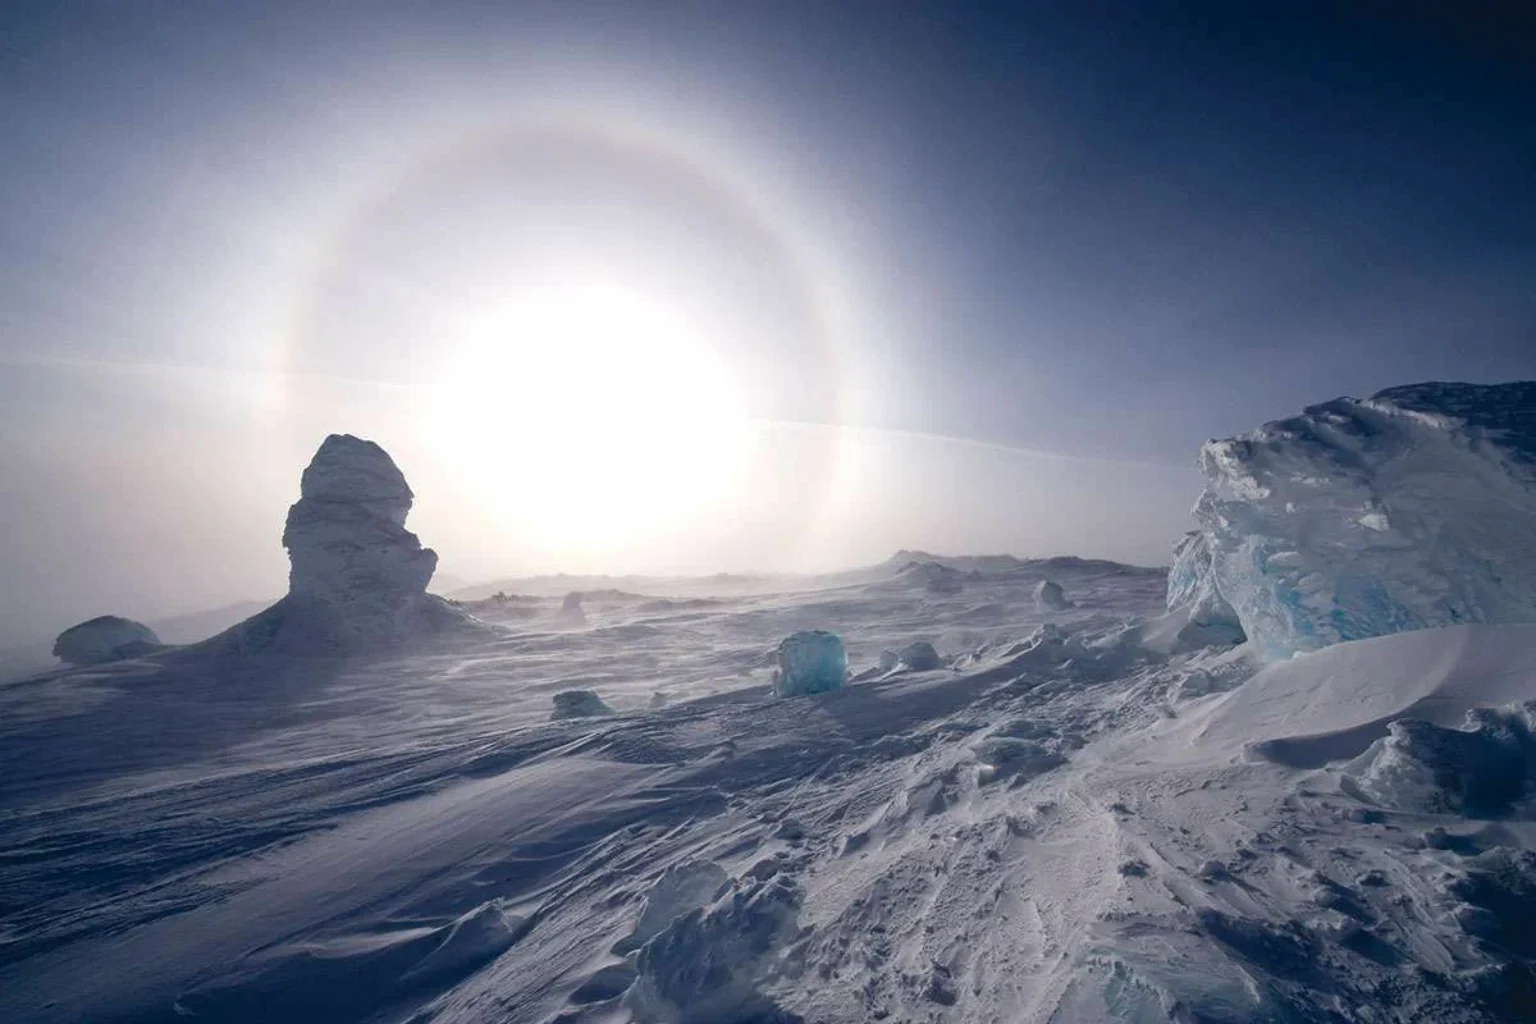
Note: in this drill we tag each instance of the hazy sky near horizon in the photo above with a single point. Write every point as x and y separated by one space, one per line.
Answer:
716 286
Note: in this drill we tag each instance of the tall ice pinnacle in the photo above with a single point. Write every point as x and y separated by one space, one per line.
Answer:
348 547
357 577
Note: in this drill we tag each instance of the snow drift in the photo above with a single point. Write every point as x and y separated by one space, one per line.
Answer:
1358 518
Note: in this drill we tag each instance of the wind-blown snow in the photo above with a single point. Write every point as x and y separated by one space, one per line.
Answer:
1411 509
1102 812
1071 824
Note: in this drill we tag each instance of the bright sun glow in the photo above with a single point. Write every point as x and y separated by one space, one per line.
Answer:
591 418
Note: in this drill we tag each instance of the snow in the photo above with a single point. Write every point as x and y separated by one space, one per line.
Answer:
408 836
1108 811
1411 509
811 661
104 638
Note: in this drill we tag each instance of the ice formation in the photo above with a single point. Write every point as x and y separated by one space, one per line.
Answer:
1204 617
1411 509
1482 769
579 704
104 638
357 576
919 656
1050 597
571 612
812 661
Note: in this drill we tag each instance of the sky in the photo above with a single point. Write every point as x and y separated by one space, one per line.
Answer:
697 287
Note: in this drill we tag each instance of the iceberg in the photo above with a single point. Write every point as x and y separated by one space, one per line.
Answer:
1412 509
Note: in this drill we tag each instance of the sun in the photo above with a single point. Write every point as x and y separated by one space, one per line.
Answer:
591 418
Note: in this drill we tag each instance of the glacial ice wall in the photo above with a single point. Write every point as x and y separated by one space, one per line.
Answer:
1410 509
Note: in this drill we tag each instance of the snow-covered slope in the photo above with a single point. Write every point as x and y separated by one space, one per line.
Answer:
1413 508
1039 811
1064 822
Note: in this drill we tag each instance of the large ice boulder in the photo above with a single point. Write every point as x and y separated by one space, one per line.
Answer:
1050 597
812 661
1411 509
104 638
357 577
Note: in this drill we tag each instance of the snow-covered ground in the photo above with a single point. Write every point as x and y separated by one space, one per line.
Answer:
1073 819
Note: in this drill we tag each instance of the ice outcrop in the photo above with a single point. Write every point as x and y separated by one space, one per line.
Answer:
812 661
357 576
1482 769
571 612
104 638
1411 509
1050 597
1204 618
579 704
919 656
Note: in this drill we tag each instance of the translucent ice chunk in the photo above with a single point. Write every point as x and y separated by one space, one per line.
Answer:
810 662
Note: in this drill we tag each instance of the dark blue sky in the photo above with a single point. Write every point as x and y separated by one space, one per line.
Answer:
1089 229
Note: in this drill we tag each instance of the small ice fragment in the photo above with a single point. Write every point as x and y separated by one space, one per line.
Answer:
579 704
919 656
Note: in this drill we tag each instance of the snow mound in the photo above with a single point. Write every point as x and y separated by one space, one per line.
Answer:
1050 597
357 577
1481 770
579 704
1411 509
709 964
812 661
104 638
681 888
1332 705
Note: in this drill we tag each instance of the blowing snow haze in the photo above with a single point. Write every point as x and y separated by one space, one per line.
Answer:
680 288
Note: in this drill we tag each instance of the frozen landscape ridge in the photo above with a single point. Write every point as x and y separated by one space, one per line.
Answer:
1410 509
